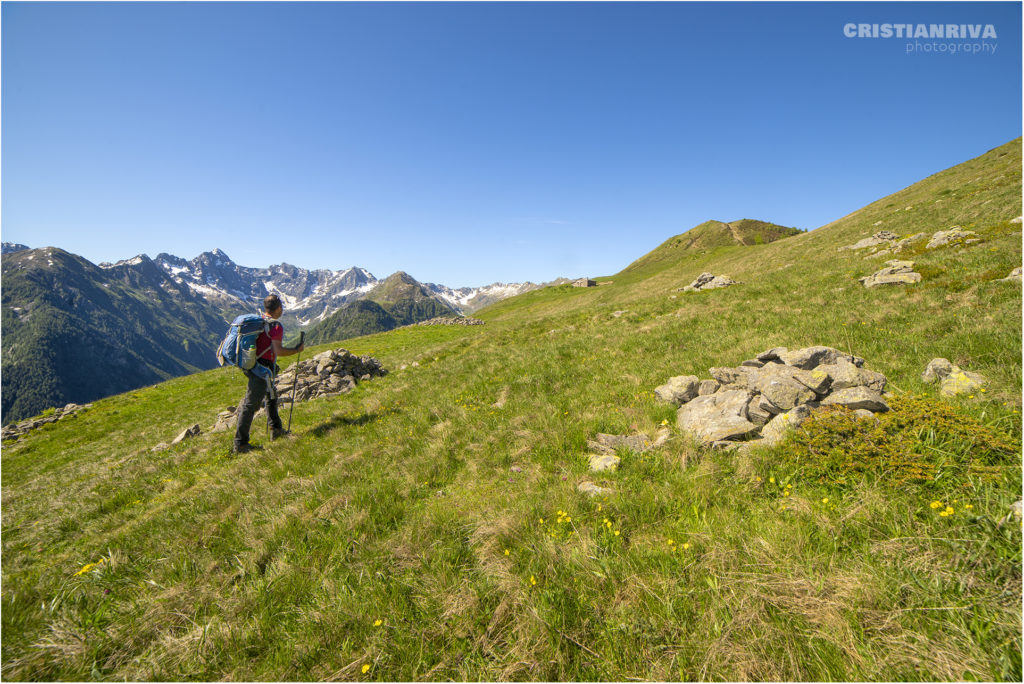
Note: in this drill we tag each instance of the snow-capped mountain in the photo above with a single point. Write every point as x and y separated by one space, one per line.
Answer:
469 299
309 296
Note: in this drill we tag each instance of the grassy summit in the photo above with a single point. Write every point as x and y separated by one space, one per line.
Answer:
428 525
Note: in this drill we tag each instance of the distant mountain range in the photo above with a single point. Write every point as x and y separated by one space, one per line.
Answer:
75 331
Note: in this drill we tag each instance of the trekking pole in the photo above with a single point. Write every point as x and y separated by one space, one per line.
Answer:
302 336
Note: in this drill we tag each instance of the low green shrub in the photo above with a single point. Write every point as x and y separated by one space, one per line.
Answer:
920 440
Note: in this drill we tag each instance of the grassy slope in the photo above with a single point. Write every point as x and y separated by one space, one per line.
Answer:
399 503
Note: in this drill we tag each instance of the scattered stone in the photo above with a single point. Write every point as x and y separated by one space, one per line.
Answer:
602 462
162 446
1017 220
864 414
895 273
952 379
944 237
607 444
897 247
709 281
592 489
617 314
679 390
187 433
13 432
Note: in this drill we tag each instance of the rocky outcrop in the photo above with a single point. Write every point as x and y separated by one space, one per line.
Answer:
13 432
772 393
709 281
895 273
451 320
952 379
954 234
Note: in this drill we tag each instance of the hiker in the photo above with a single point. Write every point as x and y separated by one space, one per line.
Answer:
261 377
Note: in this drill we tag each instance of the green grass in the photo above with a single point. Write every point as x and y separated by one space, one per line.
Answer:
418 499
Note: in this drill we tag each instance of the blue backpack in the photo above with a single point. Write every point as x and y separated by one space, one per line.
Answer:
239 345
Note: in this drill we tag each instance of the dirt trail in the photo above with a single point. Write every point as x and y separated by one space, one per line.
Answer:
735 235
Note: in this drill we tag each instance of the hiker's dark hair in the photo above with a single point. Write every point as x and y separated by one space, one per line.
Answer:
272 303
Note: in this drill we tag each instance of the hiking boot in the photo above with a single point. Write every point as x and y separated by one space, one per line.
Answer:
243 448
277 433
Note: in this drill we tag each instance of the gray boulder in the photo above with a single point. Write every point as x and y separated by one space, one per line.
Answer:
952 379
776 430
810 358
602 462
679 390
845 374
857 398
719 416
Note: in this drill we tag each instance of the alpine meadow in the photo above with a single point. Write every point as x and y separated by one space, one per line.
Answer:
443 522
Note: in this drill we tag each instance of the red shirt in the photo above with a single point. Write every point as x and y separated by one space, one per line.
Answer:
265 344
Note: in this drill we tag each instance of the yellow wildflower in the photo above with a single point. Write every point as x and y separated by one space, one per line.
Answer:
772 480
506 552
686 545
616 533
366 668
825 500
89 566
949 510
533 580
935 504
378 623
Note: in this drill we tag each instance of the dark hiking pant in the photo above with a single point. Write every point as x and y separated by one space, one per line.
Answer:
257 391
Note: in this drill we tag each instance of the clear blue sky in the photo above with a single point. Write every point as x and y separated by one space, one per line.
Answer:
469 143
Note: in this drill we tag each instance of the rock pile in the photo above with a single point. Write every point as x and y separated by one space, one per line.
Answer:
895 273
952 379
766 396
15 431
327 374
449 320
709 281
